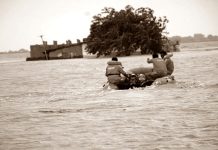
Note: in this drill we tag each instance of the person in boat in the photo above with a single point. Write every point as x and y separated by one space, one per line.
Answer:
114 71
168 61
159 68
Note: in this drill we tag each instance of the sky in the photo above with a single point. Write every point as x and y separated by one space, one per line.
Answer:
23 21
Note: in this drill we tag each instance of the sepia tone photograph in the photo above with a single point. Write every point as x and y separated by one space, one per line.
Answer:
108 75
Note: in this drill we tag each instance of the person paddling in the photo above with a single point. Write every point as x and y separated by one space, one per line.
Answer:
159 68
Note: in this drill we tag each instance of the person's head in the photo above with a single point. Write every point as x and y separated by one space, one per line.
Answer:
163 53
114 59
154 55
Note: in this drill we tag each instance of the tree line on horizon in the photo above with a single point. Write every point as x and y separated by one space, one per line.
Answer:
198 37
22 50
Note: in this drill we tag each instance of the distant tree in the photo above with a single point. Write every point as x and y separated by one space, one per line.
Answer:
198 37
22 50
123 32
176 38
212 37
187 39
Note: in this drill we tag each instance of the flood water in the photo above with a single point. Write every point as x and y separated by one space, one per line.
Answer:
60 104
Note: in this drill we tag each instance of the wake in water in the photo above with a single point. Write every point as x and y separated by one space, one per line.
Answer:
188 84
177 84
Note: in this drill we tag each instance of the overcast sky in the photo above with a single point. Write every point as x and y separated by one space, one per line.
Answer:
23 21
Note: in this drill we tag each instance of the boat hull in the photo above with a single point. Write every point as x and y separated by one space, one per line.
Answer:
134 81
140 70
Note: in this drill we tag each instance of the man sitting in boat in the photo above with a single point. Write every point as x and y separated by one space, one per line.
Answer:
113 73
168 61
159 68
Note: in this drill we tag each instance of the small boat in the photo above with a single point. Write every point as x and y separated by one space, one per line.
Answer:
136 78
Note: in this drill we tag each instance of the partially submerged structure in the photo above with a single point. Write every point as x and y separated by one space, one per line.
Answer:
56 51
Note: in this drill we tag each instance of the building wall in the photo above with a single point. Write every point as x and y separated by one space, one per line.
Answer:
69 51
36 51
56 54
73 51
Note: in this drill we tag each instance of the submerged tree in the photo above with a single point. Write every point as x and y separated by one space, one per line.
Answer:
124 31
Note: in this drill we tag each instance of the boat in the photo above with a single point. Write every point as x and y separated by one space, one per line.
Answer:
136 79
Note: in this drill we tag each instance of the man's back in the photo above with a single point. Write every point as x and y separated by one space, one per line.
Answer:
159 65
114 68
114 71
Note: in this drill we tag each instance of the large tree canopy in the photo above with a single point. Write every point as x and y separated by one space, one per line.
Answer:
124 31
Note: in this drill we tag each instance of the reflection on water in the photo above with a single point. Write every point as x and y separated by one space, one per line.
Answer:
60 104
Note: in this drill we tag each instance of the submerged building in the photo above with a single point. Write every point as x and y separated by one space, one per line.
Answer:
56 51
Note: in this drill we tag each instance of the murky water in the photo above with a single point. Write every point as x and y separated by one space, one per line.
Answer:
60 104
